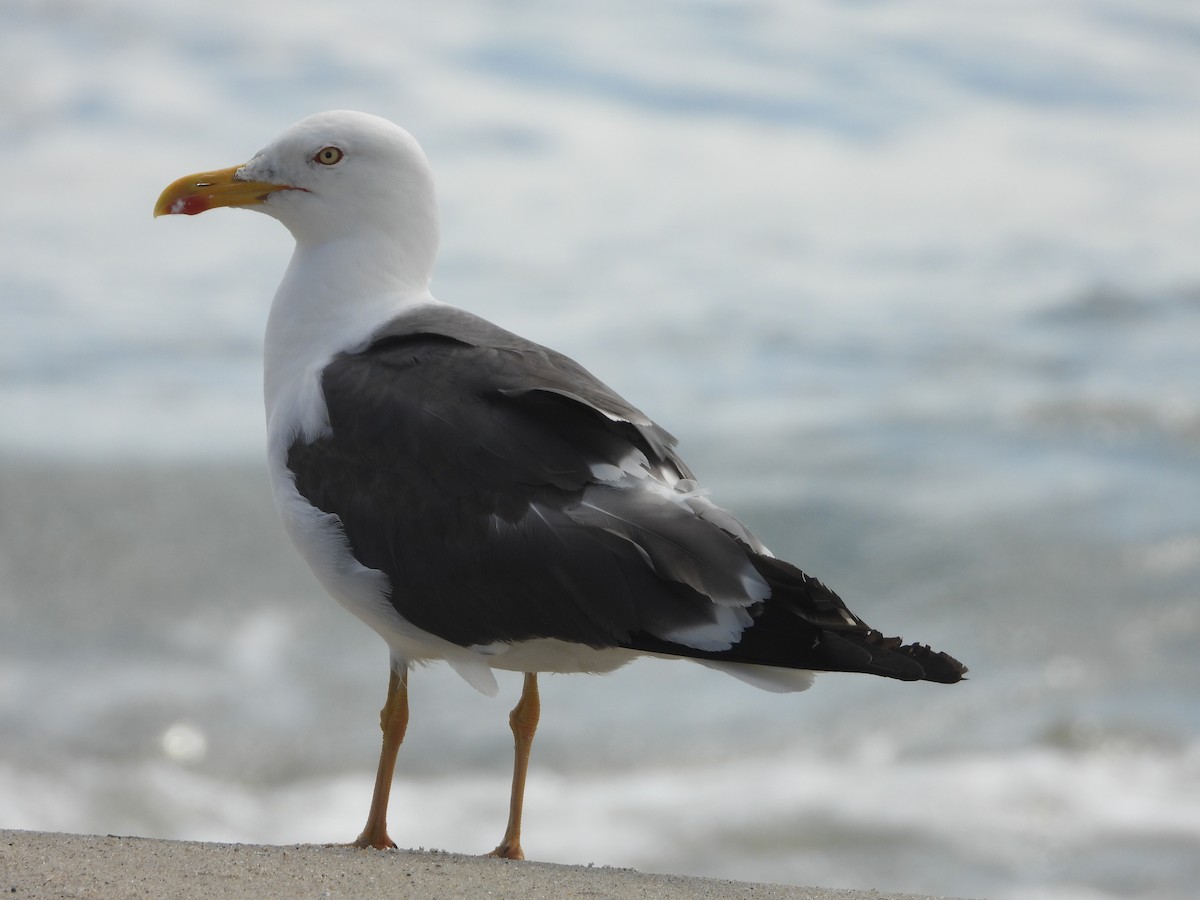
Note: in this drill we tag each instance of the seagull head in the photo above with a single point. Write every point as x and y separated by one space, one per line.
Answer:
331 177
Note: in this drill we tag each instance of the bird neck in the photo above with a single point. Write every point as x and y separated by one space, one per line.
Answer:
360 265
333 297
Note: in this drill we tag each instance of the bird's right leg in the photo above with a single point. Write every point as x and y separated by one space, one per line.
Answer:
393 720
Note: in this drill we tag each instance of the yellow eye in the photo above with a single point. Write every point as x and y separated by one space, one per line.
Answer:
329 156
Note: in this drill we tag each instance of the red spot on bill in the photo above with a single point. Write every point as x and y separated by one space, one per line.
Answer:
190 206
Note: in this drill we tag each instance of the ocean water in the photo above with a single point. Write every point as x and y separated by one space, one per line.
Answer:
916 285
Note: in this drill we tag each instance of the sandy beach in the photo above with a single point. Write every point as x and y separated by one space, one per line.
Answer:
38 864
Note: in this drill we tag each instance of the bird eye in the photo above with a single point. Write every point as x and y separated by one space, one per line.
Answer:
329 156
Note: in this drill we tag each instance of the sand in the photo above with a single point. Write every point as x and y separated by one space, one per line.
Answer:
36 865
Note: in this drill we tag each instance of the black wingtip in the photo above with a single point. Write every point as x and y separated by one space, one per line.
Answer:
939 667
846 642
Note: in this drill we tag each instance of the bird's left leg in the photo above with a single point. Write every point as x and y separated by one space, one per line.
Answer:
393 720
524 721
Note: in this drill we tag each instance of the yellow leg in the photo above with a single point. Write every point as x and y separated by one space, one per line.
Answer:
524 722
393 720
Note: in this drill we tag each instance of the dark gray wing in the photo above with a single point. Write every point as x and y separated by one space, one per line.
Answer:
462 460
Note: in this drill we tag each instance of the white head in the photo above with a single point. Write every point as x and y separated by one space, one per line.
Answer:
333 177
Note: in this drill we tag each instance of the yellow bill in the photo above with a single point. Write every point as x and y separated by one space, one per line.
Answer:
194 194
